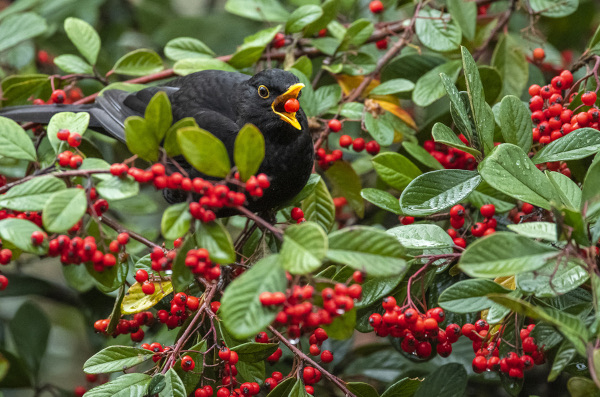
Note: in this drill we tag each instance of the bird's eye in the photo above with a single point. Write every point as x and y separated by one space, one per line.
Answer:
263 91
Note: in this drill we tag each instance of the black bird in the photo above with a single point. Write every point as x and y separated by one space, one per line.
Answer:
221 103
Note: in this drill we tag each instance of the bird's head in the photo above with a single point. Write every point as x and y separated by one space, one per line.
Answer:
263 101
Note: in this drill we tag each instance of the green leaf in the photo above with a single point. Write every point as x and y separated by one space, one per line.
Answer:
204 151
190 379
116 359
258 10
74 122
17 89
20 27
173 385
443 134
428 88
449 380
118 188
327 97
469 295
298 390
30 342
379 129
458 109
422 239
302 17
175 221
346 183
554 8
437 30
253 352
465 15
509 170
191 65
84 37
185 48
393 86
284 388
515 122
14 142
356 34
376 288
482 113
342 327
485 194
182 277
382 199
248 151
304 246
422 155
131 385
18 232
362 389
395 169
139 62
216 239
157 384
490 256
73 64
576 145
318 206
553 279
171 146
241 311
537 230
565 353
352 110
249 52
158 115
405 387
31 195
140 140
568 191
64 209
436 191
510 61
367 249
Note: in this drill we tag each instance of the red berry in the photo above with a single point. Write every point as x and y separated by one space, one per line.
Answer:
407 220
373 148
224 353
539 54
187 363
192 303
382 44
3 282
457 223
460 242
291 105
58 96
358 145
345 141
589 98
63 134
335 125
478 229
423 349
376 6
534 90
74 139
141 275
479 364
458 211
75 161
297 213
488 210
123 238
148 288
37 238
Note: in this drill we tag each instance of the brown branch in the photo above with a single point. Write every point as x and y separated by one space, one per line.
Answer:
502 22
299 353
246 212
119 228
59 174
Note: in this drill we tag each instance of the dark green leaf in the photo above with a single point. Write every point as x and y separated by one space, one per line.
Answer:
18 232
241 311
139 62
84 37
249 151
30 342
253 352
346 183
175 221
298 390
567 190
458 109
304 246
374 289
437 31
393 86
284 388
362 389
64 209
491 256
436 191
428 88
116 359
469 295
509 170
465 14
510 61
157 384
449 380
216 239
182 277
14 142
443 134
185 48
342 327
576 145
403 388
420 154
31 195
515 122
395 169
190 379
73 64
303 16
173 385
566 352
132 385
367 249
382 199
553 279
318 206
204 151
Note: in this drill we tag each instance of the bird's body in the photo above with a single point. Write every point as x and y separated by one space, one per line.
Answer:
221 103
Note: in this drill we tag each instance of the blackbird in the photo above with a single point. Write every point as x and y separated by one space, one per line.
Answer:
221 103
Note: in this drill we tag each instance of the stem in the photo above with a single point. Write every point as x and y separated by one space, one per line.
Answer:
338 382
502 22
119 228
276 232
60 174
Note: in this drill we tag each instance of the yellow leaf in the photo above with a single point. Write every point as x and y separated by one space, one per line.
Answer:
348 83
396 110
507 282
136 301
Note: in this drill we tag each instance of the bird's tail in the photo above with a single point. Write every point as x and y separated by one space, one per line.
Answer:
40 113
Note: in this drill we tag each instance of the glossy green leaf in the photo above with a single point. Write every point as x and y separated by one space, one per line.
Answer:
132 385
424 238
436 191
567 190
376 288
382 199
18 232
405 387
576 145
140 140
283 388
17 28
14 142
116 359
31 195
437 30
537 230
509 170
554 8
248 151
443 134
241 311
30 342
186 66
566 352
73 64
173 385
421 155
393 86
345 182
304 246
118 188
158 115
449 380
254 45
318 206
515 122
64 209
139 62
362 389
458 109
428 88
84 37
204 151
216 239
553 279
252 352
395 169
175 221
185 48
488 257
303 16
465 15
510 61
367 249
74 122
469 295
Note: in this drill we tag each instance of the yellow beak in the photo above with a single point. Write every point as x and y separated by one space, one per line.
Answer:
278 105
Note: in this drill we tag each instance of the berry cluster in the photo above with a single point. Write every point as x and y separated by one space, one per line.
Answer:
124 326
318 336
182 306
34 217
310 376
558 166
199 263
420 332
450 157
478 229
161 261
77 250
298 215
58 96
